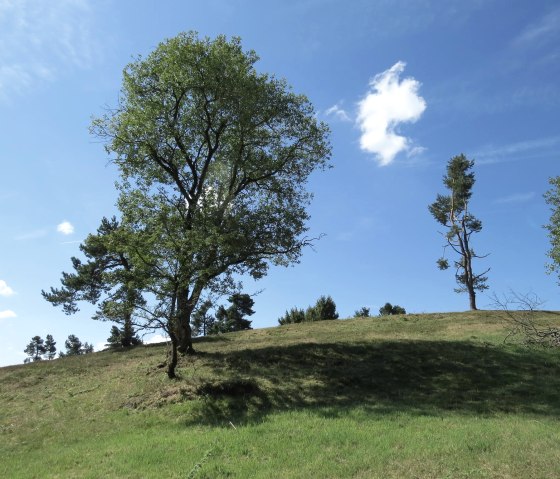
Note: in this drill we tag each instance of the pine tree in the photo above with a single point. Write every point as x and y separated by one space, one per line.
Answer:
50 347
202 322
362 312
324 309
74 347
452 211
122 337
294 315
388 310
233 318
35 349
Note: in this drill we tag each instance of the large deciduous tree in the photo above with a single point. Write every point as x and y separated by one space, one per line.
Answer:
452 211
552 197
214 158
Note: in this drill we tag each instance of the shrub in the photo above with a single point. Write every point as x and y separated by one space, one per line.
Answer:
388 310
363 312
325 308
294 315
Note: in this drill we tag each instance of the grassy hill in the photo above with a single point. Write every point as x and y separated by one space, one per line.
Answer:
416 396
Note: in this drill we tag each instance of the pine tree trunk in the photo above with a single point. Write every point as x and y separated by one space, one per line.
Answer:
472 300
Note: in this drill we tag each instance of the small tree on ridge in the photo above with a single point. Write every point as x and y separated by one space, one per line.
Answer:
452 211
35 349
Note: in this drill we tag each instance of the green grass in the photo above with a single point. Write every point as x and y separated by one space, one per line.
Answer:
418 396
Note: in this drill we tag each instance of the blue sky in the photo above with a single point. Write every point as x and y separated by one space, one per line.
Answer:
404 85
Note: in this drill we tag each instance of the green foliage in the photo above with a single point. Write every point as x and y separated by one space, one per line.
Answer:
50 347
552 197
74 347
202 321
452 212
214 158
122 338
35 349
108 278
233 318
294 315
325 308
388 309
363 312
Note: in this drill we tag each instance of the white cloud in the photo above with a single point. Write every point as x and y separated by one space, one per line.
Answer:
338 112
66 228
389 103
5 290
156 338
100 346
415 151
41 38
8 313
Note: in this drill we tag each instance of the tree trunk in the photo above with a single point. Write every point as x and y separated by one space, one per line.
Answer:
469 276
173 361
183 323
472 299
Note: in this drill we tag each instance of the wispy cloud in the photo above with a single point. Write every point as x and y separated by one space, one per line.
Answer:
516 198
522 150
542 31
41 38
31 235
5 290
8 313
338 112
66 228
389 103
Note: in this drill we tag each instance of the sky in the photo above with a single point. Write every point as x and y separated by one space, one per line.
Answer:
403 85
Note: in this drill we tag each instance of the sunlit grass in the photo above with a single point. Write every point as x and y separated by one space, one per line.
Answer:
424 396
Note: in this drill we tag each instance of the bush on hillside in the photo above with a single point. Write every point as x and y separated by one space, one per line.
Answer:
388 310
363 312
294 315
325 308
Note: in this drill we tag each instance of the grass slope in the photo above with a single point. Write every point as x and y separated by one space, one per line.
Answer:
417 396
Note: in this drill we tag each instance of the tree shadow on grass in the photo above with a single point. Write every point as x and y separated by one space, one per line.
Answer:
422 377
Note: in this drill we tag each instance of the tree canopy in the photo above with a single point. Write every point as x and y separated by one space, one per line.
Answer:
107 278
323 309
35 349
452 211
214 158
234 318
75 347
390 310
552 197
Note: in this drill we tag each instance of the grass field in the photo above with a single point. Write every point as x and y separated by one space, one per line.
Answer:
416 396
